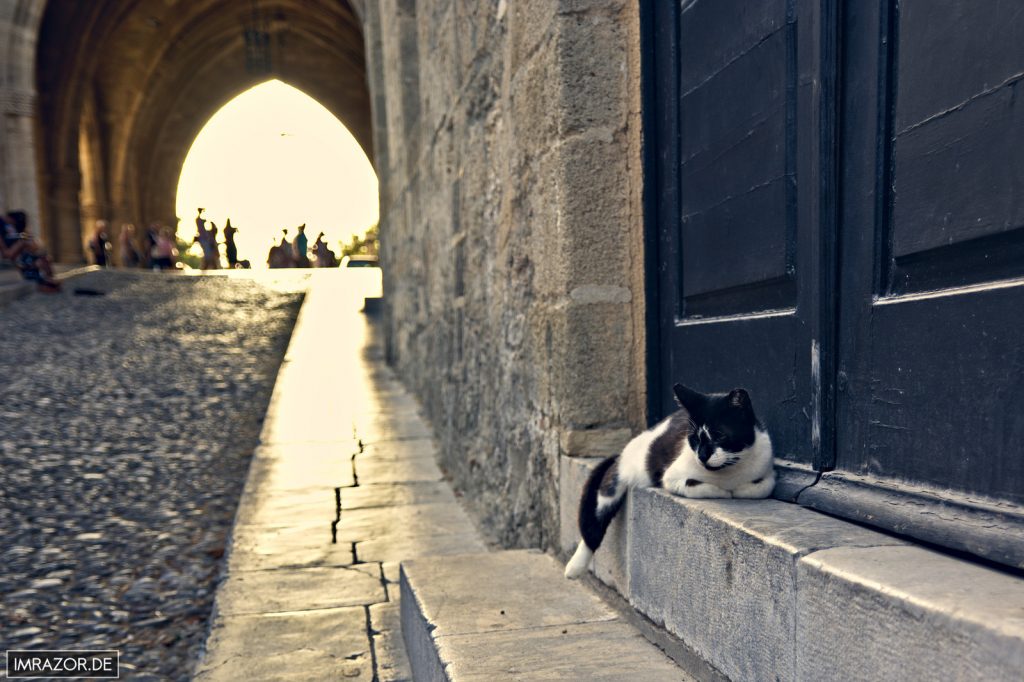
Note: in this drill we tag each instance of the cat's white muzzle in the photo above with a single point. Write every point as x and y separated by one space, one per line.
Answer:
717 460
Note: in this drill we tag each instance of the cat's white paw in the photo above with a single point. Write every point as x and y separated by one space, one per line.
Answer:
706 491
756 490
579 562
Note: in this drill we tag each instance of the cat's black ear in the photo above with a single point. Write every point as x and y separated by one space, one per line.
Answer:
739 398
690 400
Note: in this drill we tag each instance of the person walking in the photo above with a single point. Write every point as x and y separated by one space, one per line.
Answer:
165 250
128 252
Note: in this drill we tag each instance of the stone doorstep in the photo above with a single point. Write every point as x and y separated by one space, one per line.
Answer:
769 590
511 615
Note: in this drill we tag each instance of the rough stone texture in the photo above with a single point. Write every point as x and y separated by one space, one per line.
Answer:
510 195
611 562
458 626
721 574
293 589
128 422
324 644
386 622
922 615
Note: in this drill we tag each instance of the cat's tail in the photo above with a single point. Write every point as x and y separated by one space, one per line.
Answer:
601 499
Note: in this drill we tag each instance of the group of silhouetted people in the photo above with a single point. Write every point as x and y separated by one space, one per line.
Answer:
206 237
157 248
295 254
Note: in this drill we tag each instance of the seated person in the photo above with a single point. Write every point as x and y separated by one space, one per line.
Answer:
27 254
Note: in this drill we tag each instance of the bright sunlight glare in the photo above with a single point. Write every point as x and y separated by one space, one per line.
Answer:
275 158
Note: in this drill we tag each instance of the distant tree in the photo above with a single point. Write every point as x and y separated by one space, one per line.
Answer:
189 254
360 246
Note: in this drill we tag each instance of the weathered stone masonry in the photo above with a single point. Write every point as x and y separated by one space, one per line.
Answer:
508 143
506 135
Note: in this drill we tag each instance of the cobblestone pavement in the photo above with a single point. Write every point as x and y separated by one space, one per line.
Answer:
128 422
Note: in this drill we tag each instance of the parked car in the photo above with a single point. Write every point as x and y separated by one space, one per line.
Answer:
360 262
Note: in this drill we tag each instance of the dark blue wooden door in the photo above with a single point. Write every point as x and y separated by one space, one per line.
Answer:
838 225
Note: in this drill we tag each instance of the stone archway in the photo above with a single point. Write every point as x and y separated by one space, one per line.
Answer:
124 86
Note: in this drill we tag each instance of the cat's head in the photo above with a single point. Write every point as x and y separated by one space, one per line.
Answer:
723 425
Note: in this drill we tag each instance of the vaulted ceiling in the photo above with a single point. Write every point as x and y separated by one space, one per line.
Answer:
125 86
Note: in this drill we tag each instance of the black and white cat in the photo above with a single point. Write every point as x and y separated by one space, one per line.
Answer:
713 447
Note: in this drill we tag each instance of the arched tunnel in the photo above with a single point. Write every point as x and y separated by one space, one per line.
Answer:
124 87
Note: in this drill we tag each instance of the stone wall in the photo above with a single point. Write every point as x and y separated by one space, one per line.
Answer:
512 239
19 22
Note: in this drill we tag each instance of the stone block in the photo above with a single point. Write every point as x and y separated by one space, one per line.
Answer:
398 548
536 626
530 23
608 652
387 427
299 645
594 442
722 574
440 66
386 625
611 562
249 592
591 372
594 209
921 615
534 90
374 496
403 521
592 50
371 470
299 466
287 545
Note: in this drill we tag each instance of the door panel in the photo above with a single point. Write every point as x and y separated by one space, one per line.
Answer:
736 175
930 354
734 82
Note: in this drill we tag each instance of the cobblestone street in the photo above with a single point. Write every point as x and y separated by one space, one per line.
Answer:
128 421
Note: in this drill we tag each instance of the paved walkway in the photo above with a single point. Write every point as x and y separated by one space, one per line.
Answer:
127 426
343 487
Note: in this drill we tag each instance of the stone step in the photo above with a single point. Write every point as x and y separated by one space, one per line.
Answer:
762 589
511 615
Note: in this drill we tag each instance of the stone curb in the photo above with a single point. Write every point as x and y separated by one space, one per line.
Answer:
769 590
511 615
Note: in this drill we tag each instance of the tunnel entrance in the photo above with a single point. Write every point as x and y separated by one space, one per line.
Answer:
125 86
271 159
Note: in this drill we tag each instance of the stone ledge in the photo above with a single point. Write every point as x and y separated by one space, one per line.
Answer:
754 588
511 615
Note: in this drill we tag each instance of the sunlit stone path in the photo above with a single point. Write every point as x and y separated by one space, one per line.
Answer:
127 424
342 488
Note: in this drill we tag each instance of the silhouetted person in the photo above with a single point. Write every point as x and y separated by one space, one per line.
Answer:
229 244
99 243
301 247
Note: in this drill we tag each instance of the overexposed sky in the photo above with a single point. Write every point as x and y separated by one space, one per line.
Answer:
273 157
